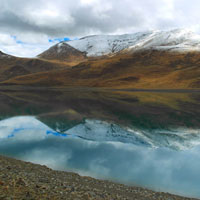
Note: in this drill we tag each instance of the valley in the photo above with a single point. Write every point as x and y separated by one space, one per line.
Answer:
123 108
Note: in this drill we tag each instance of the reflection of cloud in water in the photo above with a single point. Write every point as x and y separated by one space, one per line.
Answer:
24 128
158 168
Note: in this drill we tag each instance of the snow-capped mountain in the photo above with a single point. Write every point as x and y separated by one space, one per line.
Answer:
176 40
62 51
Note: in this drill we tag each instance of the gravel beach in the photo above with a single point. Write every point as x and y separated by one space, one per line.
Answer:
24 180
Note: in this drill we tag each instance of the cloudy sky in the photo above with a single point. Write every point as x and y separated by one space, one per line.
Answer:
29 27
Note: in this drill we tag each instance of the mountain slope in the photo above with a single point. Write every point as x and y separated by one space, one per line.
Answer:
147 69
100 45
11 66
146 60
63 52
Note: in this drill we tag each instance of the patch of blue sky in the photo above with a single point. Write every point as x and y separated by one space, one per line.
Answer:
59 39
50 40
16 40
19 42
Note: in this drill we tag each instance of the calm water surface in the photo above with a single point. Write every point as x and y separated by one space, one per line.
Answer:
137 138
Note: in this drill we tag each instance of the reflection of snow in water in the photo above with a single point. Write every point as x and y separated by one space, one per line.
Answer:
30 128
108 153
102 131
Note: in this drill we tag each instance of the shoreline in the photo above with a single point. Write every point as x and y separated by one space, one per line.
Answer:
107 89
25 180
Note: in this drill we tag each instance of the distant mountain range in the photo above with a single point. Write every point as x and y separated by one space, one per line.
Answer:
178 40
175 40
154 59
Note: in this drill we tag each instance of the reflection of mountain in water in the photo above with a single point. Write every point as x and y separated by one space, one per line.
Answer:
144 118
29 128
148 138
102 131
63 109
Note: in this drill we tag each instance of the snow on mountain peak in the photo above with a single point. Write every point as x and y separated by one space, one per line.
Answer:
173 40
62 51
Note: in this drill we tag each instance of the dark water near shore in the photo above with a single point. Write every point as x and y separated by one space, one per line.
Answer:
137 138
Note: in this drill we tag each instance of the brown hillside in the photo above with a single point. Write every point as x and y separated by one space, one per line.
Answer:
63 52
11 66
147 69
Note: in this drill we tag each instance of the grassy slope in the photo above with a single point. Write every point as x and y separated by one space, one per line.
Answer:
151 69
13 66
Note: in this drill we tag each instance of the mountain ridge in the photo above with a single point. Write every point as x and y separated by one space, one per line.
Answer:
94 46
63 52
142 70
101 45
147 60
180 40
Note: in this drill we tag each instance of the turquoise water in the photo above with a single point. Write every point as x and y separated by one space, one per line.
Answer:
68 137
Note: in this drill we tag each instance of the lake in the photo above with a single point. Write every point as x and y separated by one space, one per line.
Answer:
148 139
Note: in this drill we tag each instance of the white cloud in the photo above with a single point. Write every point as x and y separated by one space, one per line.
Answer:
6 39
38 20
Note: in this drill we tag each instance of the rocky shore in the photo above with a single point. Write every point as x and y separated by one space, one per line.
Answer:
27 181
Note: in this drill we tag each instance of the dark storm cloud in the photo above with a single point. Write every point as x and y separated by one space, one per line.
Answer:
10 22
77 17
